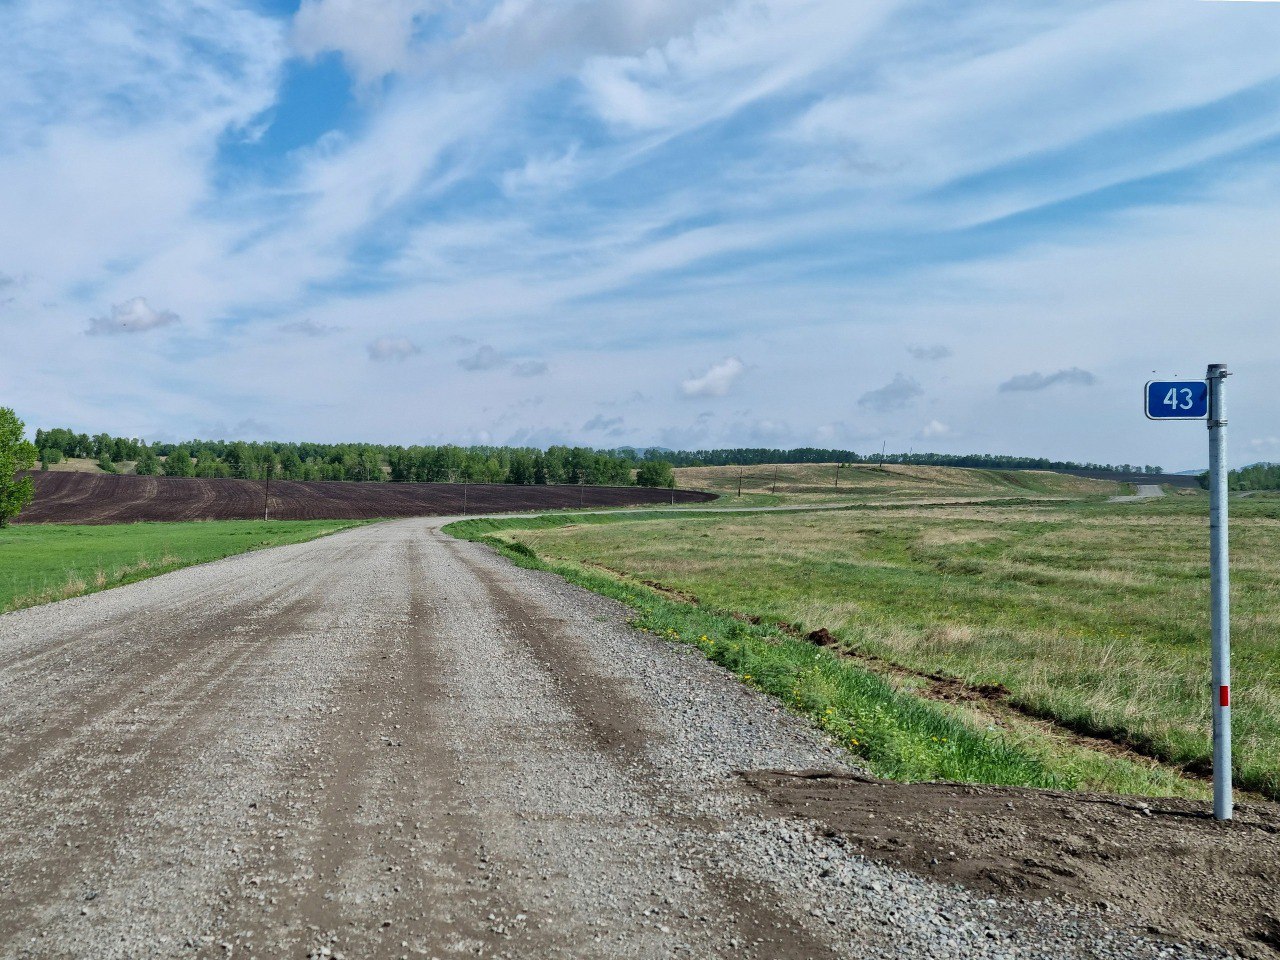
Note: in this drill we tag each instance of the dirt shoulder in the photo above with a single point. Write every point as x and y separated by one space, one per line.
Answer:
1164 867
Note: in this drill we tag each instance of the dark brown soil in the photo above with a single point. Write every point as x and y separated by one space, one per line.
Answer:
1165 865
107 498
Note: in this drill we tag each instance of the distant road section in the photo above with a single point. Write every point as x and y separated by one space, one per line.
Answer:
1120 476
86 498
1146 491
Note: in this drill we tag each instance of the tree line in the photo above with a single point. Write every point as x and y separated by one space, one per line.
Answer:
447 463
479 464
1257 476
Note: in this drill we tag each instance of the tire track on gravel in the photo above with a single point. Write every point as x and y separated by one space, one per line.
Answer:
622 727
99 774
385 850
134 677
119 767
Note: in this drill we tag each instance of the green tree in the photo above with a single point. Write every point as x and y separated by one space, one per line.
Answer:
16 454
179 463
148 463
521 469
49 455
655 473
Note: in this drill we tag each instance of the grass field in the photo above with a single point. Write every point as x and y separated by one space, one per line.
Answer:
769 484
45 562
88 465
1091 614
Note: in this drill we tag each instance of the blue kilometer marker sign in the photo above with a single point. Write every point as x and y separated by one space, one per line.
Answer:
1177 400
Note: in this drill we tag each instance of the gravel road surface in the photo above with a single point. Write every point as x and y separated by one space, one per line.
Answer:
388 743
1144 491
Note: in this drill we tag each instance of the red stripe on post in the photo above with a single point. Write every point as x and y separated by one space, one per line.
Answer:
1224 696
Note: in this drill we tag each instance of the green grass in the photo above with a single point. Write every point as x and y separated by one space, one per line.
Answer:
1092 615
40 563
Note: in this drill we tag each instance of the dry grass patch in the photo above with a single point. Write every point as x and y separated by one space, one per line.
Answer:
896 483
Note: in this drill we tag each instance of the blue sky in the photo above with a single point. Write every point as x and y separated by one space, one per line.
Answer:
678 222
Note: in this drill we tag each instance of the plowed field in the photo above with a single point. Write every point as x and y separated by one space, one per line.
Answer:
85 498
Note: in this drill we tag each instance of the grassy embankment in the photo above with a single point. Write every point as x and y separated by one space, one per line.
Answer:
40 563
815 483
87 465
1090 614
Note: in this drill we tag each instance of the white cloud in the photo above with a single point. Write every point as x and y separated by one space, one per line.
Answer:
609 426
935 351
542 173
894 395
484 358
933 429
716 382
1042 381
529 368
132 316
309 328
392 348
742 53
373 36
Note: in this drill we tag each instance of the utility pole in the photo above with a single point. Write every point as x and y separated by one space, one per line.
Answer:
739 481
838 466
775 479
882 446
266 498
1220 586
464 498
582 487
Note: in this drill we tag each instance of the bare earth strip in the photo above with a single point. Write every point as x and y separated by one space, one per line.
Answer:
112 498
388 743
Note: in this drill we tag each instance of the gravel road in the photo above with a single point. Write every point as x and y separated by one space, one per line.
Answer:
388 743
1143 491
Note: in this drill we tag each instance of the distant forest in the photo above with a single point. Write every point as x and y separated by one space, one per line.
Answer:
1258 476
474 464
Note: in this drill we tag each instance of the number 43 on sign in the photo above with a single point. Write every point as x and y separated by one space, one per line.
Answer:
1177 399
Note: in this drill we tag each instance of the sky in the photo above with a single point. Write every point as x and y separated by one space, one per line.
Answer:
952 226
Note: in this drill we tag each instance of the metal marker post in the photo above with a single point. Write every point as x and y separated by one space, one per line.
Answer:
1220 583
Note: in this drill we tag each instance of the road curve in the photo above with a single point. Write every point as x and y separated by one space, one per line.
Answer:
388 743
1143 491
